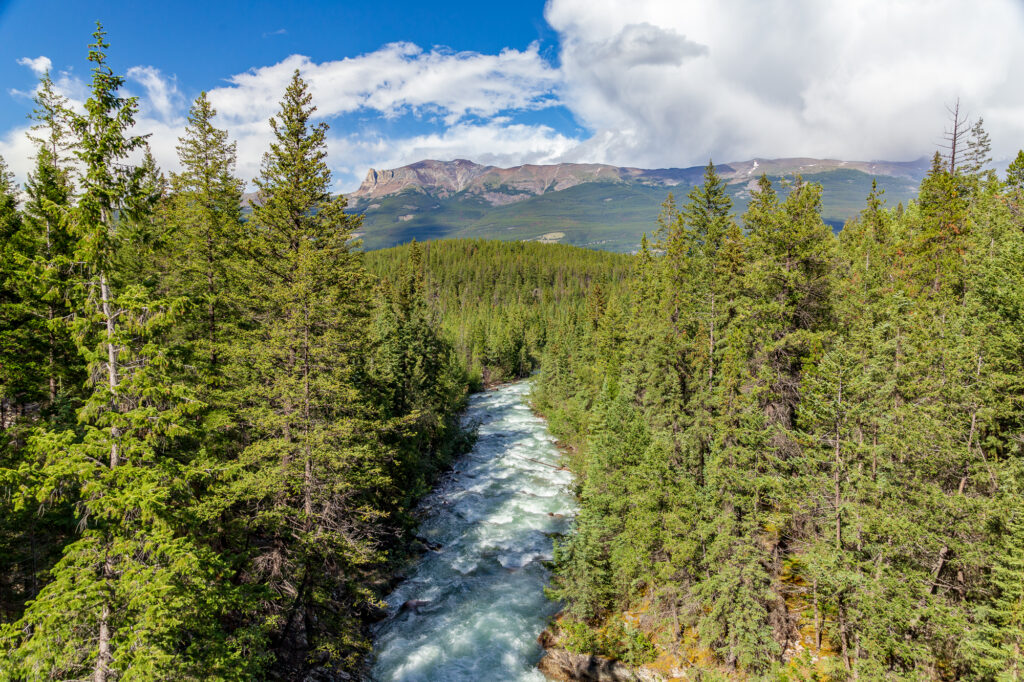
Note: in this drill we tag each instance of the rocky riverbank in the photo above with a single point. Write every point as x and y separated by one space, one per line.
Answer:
563 665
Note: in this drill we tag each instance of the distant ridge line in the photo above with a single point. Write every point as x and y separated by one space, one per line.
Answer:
501 186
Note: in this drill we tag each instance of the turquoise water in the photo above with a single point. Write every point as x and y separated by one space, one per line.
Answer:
483 590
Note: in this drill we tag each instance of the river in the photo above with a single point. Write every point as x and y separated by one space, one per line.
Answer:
493 516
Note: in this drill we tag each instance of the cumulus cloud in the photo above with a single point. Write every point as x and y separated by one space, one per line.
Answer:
465 96
162 96
17 152
402 79
39 65
655 83
674 82
641 45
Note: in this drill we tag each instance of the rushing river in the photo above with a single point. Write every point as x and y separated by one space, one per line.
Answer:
483 590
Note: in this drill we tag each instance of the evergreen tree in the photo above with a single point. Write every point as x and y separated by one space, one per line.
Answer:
133 596
205 232
1015 173
19 366
307 479
979 150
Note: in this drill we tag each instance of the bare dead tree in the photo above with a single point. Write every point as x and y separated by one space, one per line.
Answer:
953 137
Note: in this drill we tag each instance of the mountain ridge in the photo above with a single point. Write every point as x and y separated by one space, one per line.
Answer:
499 186
592 205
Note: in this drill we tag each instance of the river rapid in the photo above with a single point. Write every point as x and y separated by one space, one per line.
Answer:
479 600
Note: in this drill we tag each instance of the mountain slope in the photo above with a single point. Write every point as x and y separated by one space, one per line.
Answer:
592 205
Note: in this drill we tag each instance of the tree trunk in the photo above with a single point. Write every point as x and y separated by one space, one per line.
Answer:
307 481
211 313
837 466
841 614
817 620
104 657
711 346
112 376
103 660
51 355
944 552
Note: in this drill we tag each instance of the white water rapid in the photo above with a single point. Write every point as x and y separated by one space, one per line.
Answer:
479 600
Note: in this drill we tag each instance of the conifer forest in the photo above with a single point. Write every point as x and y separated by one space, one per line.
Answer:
798 453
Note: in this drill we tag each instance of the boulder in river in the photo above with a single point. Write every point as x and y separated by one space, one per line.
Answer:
428 545
414 605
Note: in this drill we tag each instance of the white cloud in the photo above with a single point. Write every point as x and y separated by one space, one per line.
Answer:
674 82
162 96
396 80
466 95
495 143
399 78
18 153
656 82
39 65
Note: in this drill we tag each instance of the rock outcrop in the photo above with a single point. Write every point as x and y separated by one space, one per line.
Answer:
565 666
497 186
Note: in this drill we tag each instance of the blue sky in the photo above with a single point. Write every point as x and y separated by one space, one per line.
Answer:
652 83
203 42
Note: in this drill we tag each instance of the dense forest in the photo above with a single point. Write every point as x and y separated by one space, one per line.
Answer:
495 301
213 426
798 454
795 446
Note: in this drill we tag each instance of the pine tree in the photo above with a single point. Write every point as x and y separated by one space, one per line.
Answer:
47 210
1015 173
944 224
996 647
18 346
979 150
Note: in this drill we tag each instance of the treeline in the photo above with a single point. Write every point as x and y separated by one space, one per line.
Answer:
213 427
800 454
495 300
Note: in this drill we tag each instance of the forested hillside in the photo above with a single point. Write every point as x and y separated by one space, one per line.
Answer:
213 429
601 213
805 448
495 301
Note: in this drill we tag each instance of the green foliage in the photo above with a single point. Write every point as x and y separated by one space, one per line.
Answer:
204 473
495 300
617 640
1015 172
796 433
213 427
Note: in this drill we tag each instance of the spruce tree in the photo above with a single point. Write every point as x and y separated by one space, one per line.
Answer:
206 228
134 596
307 479
1015 173
18 328
47 212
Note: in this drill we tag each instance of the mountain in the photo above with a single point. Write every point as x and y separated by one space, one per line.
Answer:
595 205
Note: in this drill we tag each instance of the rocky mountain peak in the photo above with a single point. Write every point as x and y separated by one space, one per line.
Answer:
499 186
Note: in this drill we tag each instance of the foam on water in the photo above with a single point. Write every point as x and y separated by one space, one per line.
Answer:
493 515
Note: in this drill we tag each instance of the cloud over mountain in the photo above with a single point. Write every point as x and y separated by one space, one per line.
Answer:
651 83
673 82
